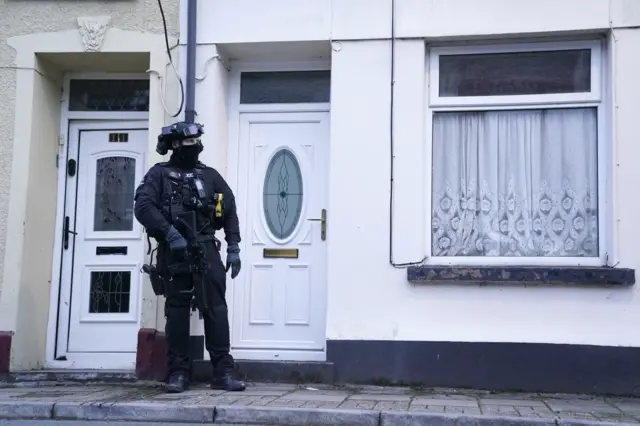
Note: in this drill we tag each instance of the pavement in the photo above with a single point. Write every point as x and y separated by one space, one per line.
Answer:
288 405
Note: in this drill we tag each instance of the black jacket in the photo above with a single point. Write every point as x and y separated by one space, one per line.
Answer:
153 196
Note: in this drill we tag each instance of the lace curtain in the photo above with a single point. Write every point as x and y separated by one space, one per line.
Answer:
515 183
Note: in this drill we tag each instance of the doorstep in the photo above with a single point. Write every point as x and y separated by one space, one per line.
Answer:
281 404
34 377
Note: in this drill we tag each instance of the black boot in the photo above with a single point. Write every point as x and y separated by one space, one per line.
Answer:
177 383
227 382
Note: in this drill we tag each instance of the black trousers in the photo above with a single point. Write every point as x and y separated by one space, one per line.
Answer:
177 310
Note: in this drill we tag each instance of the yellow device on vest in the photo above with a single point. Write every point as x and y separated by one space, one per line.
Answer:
219 205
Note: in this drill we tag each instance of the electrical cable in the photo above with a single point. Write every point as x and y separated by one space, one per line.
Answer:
391 144
166 40
615 246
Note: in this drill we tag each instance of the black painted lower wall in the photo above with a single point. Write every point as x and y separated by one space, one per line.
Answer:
532 367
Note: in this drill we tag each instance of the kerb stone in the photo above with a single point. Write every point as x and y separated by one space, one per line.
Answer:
568 422
295 416
26 410
388 418
141 412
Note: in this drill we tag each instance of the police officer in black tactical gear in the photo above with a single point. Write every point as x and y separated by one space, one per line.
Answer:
185 186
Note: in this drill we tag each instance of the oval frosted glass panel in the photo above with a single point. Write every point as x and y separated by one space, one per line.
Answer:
282 194
519 73
115 187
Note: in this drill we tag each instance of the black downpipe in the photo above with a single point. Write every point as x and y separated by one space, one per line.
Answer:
195 347
190 97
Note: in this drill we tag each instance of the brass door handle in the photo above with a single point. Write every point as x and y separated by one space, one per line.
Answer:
323 224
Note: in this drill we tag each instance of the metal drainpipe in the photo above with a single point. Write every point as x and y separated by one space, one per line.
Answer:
190 96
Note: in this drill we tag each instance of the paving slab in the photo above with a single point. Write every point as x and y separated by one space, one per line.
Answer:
273 404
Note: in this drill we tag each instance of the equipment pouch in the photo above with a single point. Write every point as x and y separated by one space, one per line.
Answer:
155 277
157 282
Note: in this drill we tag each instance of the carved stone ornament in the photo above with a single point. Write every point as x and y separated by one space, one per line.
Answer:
92 30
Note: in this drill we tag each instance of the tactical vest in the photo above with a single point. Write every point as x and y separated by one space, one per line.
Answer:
186 191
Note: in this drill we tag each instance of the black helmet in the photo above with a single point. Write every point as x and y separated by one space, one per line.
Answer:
178 134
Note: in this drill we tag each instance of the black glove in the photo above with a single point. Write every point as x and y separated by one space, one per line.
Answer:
233 260
177 243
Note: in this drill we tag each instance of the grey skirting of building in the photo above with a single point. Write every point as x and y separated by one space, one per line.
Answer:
279 404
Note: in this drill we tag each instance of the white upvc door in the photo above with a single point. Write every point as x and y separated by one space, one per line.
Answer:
279 299
103 246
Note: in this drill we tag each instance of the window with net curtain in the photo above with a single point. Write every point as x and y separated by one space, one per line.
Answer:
515 181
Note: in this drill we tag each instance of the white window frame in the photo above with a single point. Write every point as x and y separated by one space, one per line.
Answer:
594 98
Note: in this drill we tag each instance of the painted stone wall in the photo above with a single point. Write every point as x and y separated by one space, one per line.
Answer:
20 17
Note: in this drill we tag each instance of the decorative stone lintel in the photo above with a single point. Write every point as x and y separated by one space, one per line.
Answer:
591 276
92 30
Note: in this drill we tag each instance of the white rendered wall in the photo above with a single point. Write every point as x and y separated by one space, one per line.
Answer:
387 306
244 21
368 298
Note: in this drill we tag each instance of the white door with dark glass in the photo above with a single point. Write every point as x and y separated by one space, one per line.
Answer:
279 298
103 246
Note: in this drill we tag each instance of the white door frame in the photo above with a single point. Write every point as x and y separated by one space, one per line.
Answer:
233 144
89 120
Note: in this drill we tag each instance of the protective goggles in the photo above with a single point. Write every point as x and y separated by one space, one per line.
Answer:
190 141
191 130
187 142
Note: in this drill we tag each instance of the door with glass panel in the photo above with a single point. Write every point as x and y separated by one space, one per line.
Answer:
102 243
279 299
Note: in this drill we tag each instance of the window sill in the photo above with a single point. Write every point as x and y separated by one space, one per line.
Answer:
581 275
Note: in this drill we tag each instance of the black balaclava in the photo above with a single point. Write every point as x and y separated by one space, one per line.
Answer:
186 157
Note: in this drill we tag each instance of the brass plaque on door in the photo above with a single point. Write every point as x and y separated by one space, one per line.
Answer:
279 253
